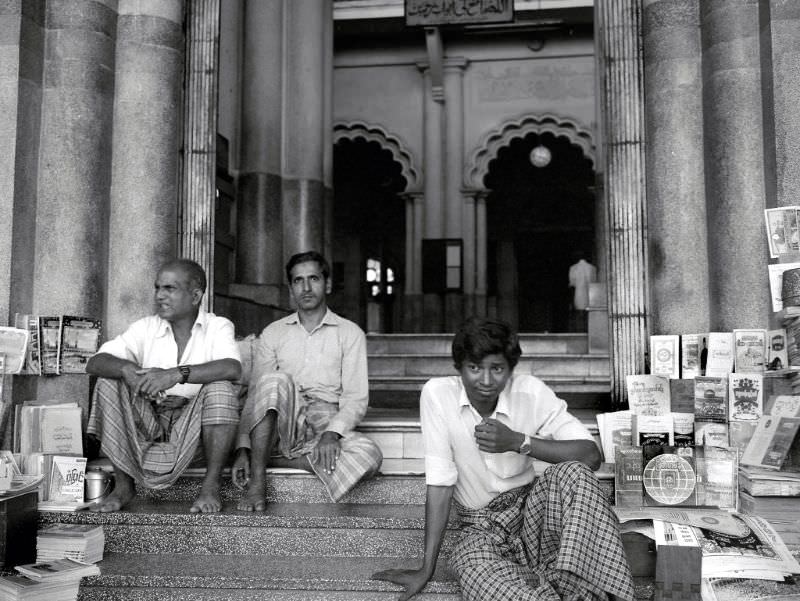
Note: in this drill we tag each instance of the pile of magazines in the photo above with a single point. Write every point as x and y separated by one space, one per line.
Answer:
82 542
49 581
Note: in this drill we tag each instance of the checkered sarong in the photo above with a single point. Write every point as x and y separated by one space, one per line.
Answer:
300 423
154 446
556 539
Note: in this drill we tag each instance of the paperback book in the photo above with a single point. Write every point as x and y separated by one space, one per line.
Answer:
33 362
770 444
13 342
50 340
80 338
652 430
750 351
648 394
745 397
690 355
775 273
777 350
717 476
669 476
66 482
683 429
714 434
711 398
720 354
615 431
628 477
664 355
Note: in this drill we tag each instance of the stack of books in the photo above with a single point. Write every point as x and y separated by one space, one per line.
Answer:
81 542
53 581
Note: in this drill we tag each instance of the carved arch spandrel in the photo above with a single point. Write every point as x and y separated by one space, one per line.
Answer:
502 136
353 130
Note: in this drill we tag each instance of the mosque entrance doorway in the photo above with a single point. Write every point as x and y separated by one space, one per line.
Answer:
540 215
368 234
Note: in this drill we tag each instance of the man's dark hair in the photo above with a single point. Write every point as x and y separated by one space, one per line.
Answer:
195 275
305 257
481 336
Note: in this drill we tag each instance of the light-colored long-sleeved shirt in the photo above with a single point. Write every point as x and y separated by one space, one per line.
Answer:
329 363
452 457
149 342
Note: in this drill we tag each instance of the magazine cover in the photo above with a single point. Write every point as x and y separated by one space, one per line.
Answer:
66 480
80 339
648 394
690 355
777 350
782 234
33 362
711 398
50 341
745 397
664 356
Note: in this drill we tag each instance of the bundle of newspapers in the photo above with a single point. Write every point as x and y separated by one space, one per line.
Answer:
47 581
82 542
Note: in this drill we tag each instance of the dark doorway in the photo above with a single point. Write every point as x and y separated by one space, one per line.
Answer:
369 234
538 216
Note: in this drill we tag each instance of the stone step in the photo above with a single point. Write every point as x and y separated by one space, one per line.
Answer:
135 576
543 366
440 344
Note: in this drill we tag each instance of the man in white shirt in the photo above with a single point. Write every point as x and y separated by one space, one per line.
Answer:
165 384
522 537
581 274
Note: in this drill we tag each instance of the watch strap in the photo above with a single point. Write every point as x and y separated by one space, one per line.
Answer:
185 371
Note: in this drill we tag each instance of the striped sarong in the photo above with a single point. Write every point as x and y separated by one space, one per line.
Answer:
153 446
301 420
556 539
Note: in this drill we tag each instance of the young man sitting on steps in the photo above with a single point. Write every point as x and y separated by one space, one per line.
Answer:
166 384
523 538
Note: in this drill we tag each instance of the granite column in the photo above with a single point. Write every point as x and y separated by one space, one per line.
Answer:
734 165
143 220
676 209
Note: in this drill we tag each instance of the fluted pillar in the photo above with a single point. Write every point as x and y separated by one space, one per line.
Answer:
74 159
734 164
454 145
433 148
306 141
676 209
259 254
779 22
618 25
412 292
144 175
198 181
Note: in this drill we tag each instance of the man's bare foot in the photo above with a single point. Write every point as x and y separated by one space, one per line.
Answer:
208 501
121 496
254 498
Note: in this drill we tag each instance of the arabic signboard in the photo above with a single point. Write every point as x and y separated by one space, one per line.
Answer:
458 12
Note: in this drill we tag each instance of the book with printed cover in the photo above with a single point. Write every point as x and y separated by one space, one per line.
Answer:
652 429
771 442
80 339
720 354
750 351
65 484
33 360
691 346
775 273
713 434
669 476
745 397
50 341
711 398
13 342
628 477
717 476
648 394
683 429
615 431
777 349
787 405
740 433
665 356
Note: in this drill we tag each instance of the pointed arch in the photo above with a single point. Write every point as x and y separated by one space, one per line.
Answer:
353 130
492 142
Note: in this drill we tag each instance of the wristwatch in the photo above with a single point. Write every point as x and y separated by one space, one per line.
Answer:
185 371
525 447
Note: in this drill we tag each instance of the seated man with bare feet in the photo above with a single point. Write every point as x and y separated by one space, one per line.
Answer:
165 384
307 393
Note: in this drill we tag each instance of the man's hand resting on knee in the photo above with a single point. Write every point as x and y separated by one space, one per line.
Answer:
327 452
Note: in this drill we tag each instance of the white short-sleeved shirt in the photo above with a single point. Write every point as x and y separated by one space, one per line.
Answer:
452 456
149 342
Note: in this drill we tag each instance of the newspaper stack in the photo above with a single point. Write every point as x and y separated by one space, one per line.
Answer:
81 542
49 581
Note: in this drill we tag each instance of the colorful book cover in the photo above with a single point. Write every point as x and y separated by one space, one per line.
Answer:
80 339
750 351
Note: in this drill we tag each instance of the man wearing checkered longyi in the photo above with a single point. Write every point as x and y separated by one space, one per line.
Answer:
522 537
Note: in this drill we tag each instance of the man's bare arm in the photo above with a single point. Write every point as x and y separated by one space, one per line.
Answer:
437 512
493 436
106 365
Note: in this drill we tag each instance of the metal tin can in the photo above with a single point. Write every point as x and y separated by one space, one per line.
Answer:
98 484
